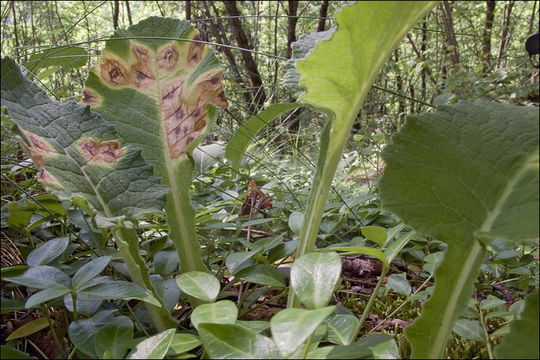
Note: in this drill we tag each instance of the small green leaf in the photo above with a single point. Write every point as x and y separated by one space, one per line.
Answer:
183 342
399 283
42 277
199 284
292 327
68 57
469 329
9 305
376 234
228 341
19 215
221 312
522 341
89 271
314 277
115 339
165 262
237 261
250 129
341 328
296 221
47 252
282 250
492 302
168 290
116 290
154 347
262 274
29 328
46 295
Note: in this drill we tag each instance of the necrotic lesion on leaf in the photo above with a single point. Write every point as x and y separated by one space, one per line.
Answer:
182 75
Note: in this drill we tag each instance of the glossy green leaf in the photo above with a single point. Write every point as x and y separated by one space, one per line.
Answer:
282 250
114 339
42 277
262 274
183 342
155 82
45 295
228 341
221 312
82 333
341 328
29 328
168 290
155 347
399 283
292 327
165 262
68 57
199 284
89 271
522 341
296 221
9 305
47 252
376 234
465 174
116 290
19 215
250 129
314 277
237 261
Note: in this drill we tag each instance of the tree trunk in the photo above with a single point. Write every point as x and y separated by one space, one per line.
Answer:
128 10
503 44
531 22
16 33
291 25
450 33
188 10
423 48
399 88
115 14
323 11
486 36
219 33
251 66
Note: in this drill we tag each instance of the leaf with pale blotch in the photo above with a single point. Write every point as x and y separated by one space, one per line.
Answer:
79 153
153 82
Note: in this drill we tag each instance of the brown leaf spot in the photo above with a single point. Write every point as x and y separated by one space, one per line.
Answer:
113 72
143 76
47 178
106 152
171 98
168 58
90 97
37 148
212 90
195 52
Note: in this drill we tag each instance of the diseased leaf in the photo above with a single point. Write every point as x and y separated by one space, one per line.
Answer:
79 153
465 175
156 82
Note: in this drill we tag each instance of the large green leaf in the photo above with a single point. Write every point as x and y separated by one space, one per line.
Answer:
199 284
222 312
116 338
155 82
336 76
79 153
155 347
48 251
522 342
465 174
